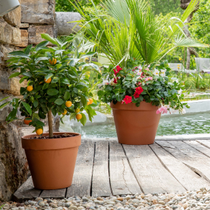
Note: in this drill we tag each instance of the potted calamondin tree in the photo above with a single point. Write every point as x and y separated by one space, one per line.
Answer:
57 85
135 42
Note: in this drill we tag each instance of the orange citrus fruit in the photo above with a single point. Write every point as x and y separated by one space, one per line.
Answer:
65 112
29 88
77 110
68 103
27 120
39 131
88 103
90 100
53 61
48 80
79 116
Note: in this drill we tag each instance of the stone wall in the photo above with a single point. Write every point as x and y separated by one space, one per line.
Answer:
18 28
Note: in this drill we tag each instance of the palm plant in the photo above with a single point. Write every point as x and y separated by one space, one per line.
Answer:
128 29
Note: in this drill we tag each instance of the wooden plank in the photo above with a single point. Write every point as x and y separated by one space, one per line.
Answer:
206 143
204 150
152 176
100 183
195 160
122 179
81 183
60 193
26 191
188 179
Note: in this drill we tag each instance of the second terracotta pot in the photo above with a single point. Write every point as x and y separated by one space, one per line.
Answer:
51 161
135 125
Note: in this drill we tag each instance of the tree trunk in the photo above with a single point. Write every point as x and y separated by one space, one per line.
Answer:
50 124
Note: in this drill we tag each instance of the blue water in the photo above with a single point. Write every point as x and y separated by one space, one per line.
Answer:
176 125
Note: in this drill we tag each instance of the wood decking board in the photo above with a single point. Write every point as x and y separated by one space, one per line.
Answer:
188 179
106 168
150 173
206 143
195 160
201 148
122 178
26 191
100 182
81 183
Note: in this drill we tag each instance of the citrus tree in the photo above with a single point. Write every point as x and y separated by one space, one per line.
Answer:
57 83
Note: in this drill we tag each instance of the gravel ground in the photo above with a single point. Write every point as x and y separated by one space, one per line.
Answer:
190 200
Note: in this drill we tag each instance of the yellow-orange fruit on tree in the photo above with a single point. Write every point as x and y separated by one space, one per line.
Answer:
68 104
29 88
39 131
48 80
77 110
65 112
79 116
53 61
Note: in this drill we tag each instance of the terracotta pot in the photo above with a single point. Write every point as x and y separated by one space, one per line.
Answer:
136 125
27 120
51 161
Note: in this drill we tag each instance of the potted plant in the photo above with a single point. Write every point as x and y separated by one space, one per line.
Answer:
56 84
135 42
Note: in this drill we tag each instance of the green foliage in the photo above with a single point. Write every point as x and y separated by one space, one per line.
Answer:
156 87
195 81
164 7
54 75
200 27
131 31
66 5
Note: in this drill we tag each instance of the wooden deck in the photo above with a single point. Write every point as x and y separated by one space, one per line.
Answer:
106 168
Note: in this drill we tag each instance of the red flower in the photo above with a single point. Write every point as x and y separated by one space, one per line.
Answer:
139 90
118 70
136 95
115 80
127 99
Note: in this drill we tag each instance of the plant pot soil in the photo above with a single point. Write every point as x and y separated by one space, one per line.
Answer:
135 125
52 160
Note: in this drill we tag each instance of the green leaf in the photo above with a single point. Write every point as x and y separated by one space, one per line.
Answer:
84 119
4 104
36 103
28 74
48 76
59 101
28 49
65 81
49 38
18 54
72 116
66 95
52 92
28 108
12 115
14 75
4 98
83 100
22 79
41 45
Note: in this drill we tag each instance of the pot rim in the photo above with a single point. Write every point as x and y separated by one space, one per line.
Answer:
52 143
132 106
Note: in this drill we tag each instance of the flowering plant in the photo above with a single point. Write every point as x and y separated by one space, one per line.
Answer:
135 83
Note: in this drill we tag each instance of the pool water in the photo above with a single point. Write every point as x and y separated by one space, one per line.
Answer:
174 125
